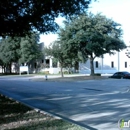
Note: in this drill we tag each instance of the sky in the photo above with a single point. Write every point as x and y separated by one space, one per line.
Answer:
118 10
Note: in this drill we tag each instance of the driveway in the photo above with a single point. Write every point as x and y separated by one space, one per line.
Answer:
94 104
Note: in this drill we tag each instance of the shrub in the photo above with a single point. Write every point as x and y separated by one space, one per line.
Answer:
65 72
97 74
44 72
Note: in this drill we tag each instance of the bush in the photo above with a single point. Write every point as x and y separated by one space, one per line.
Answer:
44 72
97 74
66 72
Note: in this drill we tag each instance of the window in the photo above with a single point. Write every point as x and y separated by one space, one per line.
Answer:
47 61
125 64
96 64
112 64
116 74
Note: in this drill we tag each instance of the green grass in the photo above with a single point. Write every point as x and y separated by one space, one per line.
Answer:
16 116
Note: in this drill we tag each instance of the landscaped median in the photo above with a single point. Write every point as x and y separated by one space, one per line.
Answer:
69 78
16 116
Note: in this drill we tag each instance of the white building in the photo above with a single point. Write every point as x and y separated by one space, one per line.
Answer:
50 67
108 64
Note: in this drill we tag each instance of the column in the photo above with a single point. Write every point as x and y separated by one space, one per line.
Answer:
50 63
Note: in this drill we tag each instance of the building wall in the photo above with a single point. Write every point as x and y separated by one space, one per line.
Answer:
108 64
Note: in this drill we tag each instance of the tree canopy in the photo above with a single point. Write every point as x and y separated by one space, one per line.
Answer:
19 49
9 50
92 36
58 51
19 17
29 49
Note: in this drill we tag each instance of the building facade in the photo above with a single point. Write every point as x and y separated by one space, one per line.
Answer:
108 64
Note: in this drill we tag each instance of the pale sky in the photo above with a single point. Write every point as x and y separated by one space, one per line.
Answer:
118 10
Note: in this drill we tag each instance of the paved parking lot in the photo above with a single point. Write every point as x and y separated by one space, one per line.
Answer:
94 104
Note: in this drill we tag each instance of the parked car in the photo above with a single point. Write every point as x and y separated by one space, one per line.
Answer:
121 75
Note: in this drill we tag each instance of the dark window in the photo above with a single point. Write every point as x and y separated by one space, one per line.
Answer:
112 64
125 64
116 74
47 61
96 64
42 61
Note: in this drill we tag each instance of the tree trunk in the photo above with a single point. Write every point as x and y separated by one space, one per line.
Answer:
10 68
61 70
17 67
76 66
92 66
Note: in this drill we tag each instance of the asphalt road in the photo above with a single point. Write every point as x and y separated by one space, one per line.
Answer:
93 104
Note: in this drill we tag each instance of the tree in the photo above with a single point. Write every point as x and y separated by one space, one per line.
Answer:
55 51
29 49
9 51
58 51
23 16
92 35
19 50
